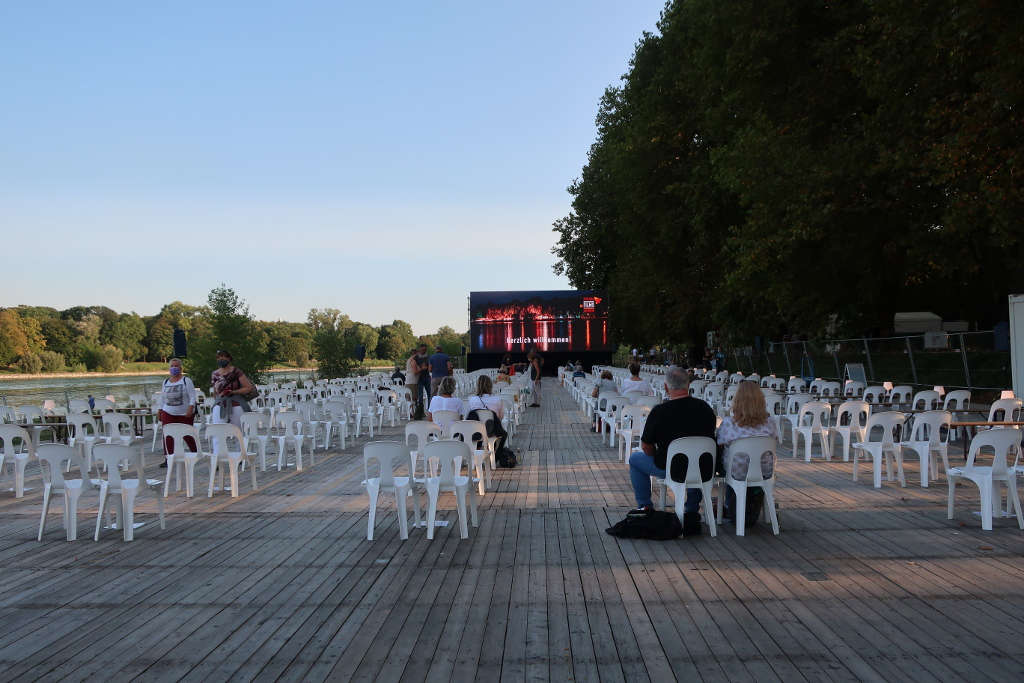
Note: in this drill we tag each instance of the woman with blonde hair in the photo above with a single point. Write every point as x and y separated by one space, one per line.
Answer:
444 400
749 418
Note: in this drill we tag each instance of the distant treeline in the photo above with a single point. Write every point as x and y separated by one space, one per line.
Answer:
36 339
774 167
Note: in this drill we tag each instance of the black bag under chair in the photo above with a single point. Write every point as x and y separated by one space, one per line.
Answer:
657 525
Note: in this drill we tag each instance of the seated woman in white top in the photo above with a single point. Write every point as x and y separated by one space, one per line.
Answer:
635 385
484 400
605 384
444 400
749 418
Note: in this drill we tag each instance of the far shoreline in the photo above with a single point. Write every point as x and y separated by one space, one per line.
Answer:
148 373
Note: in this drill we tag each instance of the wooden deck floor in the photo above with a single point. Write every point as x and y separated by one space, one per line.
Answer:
281 583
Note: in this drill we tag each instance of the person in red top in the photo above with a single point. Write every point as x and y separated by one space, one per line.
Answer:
227 382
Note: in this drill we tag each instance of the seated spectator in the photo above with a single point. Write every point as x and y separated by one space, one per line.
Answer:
681 415
749 418
485 400
578 372
635 385
606 384
444 400
502 377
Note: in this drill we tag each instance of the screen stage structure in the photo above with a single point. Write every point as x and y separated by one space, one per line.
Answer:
561 324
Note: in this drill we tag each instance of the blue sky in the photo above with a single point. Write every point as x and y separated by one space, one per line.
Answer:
383 159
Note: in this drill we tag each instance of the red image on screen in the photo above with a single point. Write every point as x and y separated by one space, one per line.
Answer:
547 320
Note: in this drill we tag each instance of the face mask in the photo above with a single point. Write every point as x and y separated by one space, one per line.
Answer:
222 362
175 371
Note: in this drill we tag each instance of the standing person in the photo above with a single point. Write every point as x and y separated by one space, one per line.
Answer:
423 362
412 376
682 415
177 404
229 385
535 363
439 364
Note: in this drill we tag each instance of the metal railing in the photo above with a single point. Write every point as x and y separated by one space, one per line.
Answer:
970 360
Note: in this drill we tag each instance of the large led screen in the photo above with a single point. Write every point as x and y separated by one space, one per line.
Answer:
550 321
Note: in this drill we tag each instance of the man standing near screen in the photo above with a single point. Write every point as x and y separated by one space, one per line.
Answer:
439 363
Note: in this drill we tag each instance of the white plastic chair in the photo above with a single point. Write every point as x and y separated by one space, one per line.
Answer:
337 421
119 428
929 439
445 419
35 414
442 459
1002 441
851 424
831 389
252 425
484 415
730 396
1005 410
53 459
124 490
633 420
388 455
775 404
796 385
886 448
609 417
854 389
182 460
813 419
794 404
474 433
422 431
364 405
755 448
900 395
959 399
875 394
928 399
222 456
690 464
104 405
14 456
292 423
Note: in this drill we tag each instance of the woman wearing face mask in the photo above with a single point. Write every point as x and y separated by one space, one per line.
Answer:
229 382
177 403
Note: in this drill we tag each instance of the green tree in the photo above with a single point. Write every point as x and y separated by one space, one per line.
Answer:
60 338
333 345
160 340
228 325
366 335
395 341
755 148
18 336
128 333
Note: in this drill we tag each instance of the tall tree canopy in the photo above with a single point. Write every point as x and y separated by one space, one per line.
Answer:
769 166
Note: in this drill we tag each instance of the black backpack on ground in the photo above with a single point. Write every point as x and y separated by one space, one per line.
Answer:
658 525
506 457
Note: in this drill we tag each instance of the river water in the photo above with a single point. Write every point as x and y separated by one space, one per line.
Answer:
35 391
